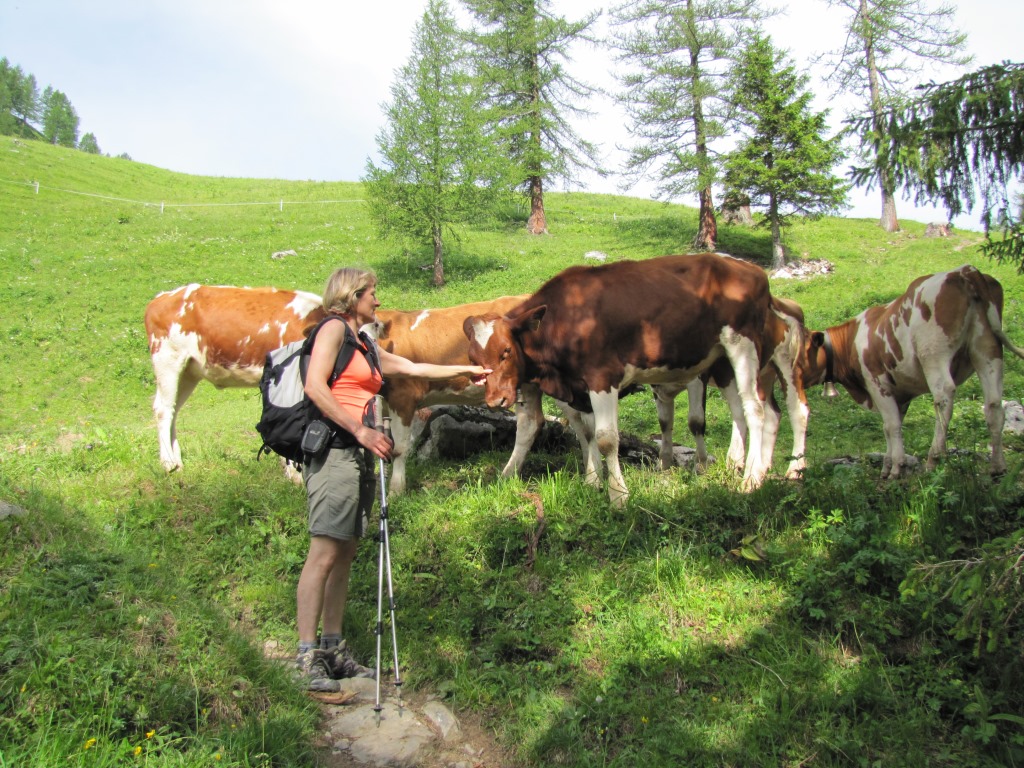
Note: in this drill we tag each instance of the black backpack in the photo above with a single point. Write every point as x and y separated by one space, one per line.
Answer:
287 410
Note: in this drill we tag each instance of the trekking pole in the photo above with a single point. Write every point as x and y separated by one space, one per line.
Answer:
382 425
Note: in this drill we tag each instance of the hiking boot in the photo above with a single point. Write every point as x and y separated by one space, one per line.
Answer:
341 664
314 670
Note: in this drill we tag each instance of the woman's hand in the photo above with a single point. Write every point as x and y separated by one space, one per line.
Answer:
377 443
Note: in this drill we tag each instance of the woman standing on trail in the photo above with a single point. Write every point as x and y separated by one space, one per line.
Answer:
340 481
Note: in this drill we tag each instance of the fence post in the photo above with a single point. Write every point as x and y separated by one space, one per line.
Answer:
37 187
282 205
161 206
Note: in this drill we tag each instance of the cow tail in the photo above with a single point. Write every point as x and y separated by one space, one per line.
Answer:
998 331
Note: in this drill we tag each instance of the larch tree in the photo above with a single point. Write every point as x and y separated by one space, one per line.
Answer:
19 100
677 55
522 50
888 42
89 144
60 121
437 166
784 162
957 141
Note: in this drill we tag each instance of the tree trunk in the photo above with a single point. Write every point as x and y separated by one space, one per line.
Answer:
888 221
537 224
438 260
778 252
707 230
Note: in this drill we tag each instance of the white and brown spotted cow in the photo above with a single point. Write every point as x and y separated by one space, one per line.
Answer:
223 333
218 333
783 352
943 328
591 331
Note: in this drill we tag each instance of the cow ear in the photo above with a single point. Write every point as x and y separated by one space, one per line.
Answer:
529 320
468 324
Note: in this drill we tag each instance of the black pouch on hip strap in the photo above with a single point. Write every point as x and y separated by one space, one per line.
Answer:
316 438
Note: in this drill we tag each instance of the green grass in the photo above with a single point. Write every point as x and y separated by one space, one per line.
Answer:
134 605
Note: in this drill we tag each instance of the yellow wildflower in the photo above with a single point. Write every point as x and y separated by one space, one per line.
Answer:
216 755
150 734
137 751
89 744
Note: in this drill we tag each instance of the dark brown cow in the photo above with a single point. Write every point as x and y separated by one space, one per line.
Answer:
943 328
590 331
223 333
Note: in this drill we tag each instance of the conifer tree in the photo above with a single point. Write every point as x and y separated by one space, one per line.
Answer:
785 162
522 49
678 53
89 144
955 142
60 121
888 41
437 165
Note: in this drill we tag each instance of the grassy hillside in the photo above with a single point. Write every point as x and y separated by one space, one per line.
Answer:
132 601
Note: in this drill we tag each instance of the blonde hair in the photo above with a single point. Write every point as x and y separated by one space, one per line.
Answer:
345 286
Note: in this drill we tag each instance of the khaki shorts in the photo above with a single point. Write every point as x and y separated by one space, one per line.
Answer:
340 490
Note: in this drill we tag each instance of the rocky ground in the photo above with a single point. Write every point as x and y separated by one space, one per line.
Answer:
417 731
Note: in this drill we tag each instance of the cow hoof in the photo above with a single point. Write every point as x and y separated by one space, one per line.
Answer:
171 466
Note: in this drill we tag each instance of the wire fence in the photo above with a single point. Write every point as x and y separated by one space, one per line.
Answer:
163 204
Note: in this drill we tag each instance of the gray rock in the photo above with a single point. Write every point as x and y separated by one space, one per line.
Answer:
398 740
1014 423
10 510
441 717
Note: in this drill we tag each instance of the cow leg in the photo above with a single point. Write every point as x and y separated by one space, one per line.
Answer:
665 402
606 432
892 427
696 420
736 458
743 355
583 425
943 390
174 384
796 406
529 418
402 434
990 372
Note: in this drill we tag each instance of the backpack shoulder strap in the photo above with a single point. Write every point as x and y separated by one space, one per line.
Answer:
373 356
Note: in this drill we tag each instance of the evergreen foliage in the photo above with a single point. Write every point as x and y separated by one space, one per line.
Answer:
785 163
60 121
521 49
89 144
956 141
675 93
887 42
438 167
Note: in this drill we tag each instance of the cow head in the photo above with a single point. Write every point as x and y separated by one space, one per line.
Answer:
814 362
495 342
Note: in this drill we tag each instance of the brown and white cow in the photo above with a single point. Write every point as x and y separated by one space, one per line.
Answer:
223 333
590 331
218 333
930 339
435 336
784 347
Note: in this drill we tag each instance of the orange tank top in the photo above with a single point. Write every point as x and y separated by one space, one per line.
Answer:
356 385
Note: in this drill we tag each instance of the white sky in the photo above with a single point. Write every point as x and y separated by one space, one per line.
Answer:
292 90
